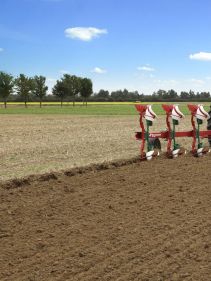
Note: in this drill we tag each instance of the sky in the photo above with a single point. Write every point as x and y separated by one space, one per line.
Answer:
142 45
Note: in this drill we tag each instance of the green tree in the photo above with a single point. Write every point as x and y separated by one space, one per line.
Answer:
6 86
117 95
103 94
73 85
205 95
184 95
159 95
67 83
86 89
171 94
76 87
192 94
24 87
60 90
39 87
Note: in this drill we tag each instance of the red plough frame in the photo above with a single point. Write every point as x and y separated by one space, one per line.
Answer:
198 114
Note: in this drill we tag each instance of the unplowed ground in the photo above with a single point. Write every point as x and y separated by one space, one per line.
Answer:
32 144
144 221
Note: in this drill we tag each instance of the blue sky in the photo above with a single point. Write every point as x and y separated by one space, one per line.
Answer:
142 45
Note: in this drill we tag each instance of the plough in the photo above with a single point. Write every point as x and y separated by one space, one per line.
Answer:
173 118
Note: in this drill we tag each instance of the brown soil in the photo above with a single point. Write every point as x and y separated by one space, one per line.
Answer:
123 221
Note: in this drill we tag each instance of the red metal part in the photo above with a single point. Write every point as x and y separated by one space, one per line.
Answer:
141 109
165 134
193 108
142 137
168 109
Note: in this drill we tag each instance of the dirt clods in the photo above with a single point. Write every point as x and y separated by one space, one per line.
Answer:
127 221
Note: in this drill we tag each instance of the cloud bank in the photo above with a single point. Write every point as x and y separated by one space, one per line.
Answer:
84 33
203 56
146 68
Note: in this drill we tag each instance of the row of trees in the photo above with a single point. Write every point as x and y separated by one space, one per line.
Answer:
27 88
173 95
160 95
73 88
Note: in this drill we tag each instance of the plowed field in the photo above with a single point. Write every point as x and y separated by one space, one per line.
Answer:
147 221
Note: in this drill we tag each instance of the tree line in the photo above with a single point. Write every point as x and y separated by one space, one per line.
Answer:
73 88
34 88
160 95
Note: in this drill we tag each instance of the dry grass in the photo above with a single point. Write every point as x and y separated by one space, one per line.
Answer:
36 144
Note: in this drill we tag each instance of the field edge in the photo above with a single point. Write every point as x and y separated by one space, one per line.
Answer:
27 180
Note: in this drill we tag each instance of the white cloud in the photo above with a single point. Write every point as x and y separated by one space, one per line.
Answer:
146 68
197 81
84 33
169 83
1 49
201 56
99 70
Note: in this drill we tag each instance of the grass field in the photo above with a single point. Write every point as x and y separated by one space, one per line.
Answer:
91 109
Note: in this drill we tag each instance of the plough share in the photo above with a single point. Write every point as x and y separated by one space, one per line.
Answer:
173 117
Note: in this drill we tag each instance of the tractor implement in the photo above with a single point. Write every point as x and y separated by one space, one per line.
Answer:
198 115
173 116
146 112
